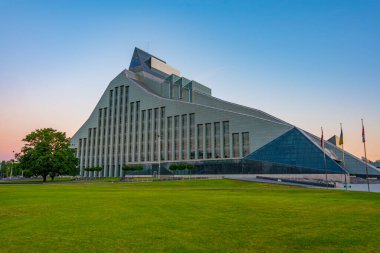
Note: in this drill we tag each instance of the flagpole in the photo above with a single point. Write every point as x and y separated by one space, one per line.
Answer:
365 154
324 157
344 162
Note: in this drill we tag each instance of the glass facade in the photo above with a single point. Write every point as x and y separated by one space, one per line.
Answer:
294 149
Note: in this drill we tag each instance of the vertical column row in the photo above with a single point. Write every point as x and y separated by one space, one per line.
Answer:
143 136
119 159
169 138
184 137
125 124
89 151
192 135
136 139
176 137
130 139
155 134
162 134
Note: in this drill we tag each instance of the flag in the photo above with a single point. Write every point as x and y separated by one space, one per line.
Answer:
322 138
341 136
363 133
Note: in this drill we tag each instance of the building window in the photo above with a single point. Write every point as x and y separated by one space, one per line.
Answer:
109 153
99 137
142 144
200 141
235 144
137 121
131 116
226 139
184 136
149 135
208 141
84 154
80 153
217 139
120 131
162 133
176 137
191 135
126 103
155 136
169 138
111 98
89 148
121 104
245 148
94 138
115 117
104 137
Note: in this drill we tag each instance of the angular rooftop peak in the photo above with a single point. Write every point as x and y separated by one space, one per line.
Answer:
143 61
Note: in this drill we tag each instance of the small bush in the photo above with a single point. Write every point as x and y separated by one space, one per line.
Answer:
132 167
181 166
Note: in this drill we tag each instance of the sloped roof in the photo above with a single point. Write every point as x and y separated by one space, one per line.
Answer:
295 149
351 163
141 62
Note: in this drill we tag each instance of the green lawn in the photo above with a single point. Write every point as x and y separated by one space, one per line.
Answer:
186 216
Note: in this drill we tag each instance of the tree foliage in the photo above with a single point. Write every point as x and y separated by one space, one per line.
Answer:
181 166
96 168
47 152
132 167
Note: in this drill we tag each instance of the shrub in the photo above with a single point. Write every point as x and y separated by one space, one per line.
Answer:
132 167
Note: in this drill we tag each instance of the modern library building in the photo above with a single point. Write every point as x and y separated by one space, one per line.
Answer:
149 115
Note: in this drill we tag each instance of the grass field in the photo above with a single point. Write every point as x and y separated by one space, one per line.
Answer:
186 216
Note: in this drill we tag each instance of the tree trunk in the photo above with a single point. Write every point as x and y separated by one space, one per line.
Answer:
44 177
52 178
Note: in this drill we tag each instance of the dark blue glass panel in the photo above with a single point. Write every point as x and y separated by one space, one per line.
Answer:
294 149
141 61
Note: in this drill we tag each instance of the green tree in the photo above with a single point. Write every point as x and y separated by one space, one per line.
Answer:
98 169
190 167
182 166
3 168
173 166
47 152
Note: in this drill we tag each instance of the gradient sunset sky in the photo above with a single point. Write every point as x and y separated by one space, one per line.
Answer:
310 63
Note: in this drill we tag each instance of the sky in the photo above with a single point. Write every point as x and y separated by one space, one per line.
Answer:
310 63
